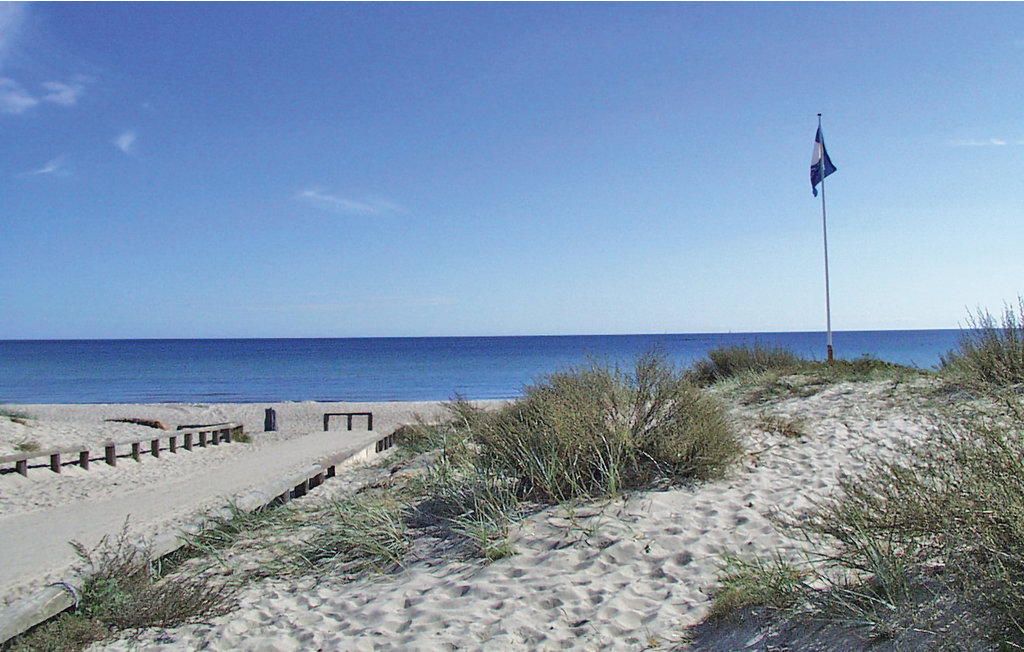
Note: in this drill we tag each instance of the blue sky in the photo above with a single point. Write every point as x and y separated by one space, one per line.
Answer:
334 170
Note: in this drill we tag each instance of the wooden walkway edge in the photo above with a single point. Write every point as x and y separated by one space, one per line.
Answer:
59 597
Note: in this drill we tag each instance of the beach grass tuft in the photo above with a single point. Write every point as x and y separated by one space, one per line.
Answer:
364 532
597 431
990 352
123 590
740 360
27 446
928 543
743 582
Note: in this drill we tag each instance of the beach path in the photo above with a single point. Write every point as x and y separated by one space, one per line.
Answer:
156 496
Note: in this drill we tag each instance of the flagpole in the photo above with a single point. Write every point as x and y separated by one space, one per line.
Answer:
824 232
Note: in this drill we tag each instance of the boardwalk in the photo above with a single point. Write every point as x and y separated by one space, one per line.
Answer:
34 545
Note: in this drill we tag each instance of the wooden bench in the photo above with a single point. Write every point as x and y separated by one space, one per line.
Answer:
349 415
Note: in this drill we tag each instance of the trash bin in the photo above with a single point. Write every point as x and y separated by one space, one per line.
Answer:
270 420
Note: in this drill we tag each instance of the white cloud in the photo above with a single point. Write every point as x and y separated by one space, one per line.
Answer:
63 94
126 142
56 167
991 142
335 204
15 98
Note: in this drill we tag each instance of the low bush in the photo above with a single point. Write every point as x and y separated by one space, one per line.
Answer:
597 431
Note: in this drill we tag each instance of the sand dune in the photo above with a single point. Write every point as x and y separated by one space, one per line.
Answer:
624 575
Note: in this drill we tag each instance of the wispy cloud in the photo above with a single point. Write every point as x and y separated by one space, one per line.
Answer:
335 204
57 166
126 142
15 98
62 93
989 142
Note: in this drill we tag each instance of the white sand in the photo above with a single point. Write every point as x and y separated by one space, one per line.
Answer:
40 514
629 575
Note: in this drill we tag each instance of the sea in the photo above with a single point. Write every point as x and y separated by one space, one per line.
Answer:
380 369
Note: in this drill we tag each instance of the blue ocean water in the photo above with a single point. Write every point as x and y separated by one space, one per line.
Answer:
376 369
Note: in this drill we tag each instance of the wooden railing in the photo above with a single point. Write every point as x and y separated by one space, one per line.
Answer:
189 438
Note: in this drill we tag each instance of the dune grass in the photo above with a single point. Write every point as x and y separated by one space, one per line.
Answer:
743 360
927 548
125 590
990 352
598 431
578 435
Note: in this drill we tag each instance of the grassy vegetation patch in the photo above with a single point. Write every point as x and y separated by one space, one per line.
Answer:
597 431
991 351
124 590
743 583
741 360
924 549
27 446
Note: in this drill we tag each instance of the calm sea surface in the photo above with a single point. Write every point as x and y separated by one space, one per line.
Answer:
375 369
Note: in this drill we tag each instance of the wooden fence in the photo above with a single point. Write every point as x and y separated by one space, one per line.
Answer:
61 596
189 438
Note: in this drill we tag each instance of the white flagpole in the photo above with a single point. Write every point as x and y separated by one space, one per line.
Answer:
824 232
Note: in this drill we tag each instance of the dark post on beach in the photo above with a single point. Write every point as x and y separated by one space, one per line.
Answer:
270 420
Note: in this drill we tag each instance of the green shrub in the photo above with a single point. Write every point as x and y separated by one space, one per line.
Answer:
597 431
731 361
990 352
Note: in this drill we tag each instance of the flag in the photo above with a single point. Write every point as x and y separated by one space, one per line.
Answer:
821 166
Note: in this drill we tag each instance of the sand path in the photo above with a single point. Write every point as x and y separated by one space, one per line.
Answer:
41 514
35 542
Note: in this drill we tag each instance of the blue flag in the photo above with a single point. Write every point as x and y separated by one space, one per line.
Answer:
821 166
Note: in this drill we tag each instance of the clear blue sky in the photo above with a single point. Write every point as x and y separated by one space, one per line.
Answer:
291 170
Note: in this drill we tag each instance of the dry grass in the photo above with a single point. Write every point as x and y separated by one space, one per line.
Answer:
123 591
926 550
990 353
597 431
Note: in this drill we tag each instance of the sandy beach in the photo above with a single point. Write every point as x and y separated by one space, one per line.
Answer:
41 513
625 575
